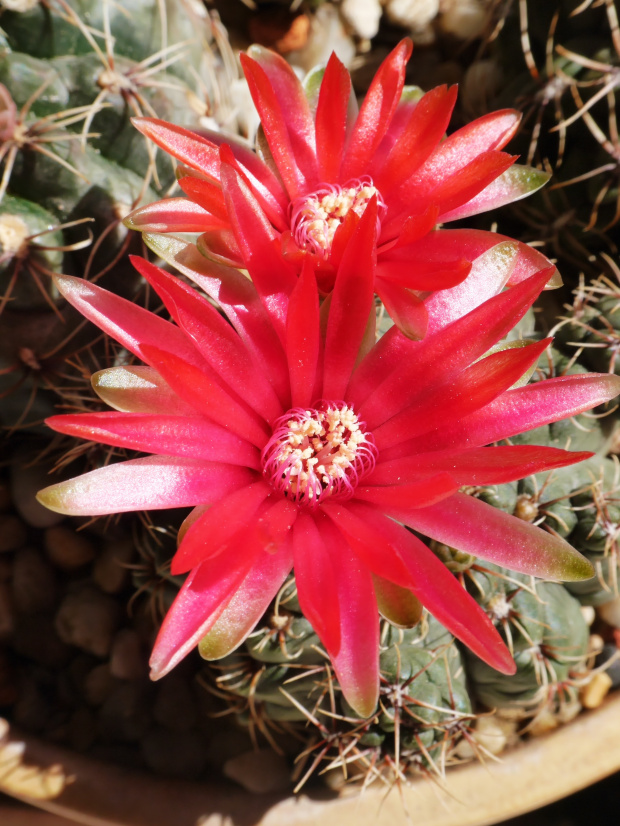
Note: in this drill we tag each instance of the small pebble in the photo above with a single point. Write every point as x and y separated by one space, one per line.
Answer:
128 659
68 549
125 715
36 639
588 613
279 29
26 480
13 533
492 733
111 572
593 694
34 582
174 753
88 619
174 705
259 771
7 611
99 685
545 721
610 612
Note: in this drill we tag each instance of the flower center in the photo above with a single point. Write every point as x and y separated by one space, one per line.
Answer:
316 217
318 453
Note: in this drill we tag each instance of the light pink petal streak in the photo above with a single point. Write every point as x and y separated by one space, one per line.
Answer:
201 601
138 389
356 662
249 603
477 528
149 483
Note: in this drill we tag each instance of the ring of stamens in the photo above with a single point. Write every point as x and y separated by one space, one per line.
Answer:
316 217
318 453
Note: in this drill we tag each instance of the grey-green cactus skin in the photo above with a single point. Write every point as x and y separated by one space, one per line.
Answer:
549 637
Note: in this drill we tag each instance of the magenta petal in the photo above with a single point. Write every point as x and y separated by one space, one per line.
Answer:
214 338
149 483
273 277
397 371
356 662
198 605
331 118
436 587
129 324
218 527
163 434
202 389
317 589
249 603
138 389
302 338
351 304
239 300
472 526
294 106
522 409
173 215
474 388
376 112
284 144
418 494
476 466
188 147
406 310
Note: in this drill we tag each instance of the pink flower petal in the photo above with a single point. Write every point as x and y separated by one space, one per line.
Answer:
472 389
351 304
515 183
406 310
188 147
398 268
217 528
418 494
302 338
472 526
138 389
425 127
356 662
239 300
434 585
317 589
163 434
214 338
331 118
392 375
376 112
173 215
201 601
293 104
200 388
149 483
476 466
285 145
274 279
129 324
249 603
520 410
469 181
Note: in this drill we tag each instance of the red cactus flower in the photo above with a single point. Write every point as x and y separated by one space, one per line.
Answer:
301 445
322 162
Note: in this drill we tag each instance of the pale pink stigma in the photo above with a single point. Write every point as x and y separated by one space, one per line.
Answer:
318 453
316 217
